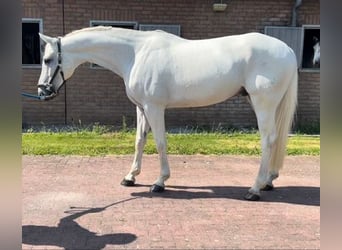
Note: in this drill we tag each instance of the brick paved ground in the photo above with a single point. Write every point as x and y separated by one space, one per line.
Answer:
77 203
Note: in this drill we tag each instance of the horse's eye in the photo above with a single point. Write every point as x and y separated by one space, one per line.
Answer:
47 61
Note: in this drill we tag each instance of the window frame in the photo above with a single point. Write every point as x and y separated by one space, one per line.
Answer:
142 27
114 23
40 23
300 42
304 27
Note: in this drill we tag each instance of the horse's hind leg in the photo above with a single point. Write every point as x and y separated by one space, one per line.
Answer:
142 129
155 116
265 112
270 178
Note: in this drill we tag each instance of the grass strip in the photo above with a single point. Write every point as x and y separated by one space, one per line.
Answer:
91 143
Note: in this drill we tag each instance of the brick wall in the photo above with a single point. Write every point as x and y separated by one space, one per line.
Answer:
308 110
80 101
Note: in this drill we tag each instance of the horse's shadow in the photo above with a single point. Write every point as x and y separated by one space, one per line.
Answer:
300 195
70 235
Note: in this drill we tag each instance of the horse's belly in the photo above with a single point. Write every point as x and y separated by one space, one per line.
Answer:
201 95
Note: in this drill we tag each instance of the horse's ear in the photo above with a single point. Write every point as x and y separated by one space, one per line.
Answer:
46 39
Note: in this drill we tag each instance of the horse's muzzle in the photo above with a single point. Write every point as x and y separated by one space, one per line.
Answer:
45 92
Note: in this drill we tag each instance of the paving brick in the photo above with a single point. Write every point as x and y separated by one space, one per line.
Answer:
75 202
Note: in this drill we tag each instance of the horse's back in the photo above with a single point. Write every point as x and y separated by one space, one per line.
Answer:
188 73
228 63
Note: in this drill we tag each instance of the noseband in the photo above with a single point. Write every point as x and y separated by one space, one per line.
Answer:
50 87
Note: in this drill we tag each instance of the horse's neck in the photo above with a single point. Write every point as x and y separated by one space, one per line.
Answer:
107 50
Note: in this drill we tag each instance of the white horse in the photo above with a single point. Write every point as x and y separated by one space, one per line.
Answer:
162 71
316 60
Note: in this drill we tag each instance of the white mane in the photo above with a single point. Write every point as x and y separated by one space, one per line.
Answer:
121 32
97 28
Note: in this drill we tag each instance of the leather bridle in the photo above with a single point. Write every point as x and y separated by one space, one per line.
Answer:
50 89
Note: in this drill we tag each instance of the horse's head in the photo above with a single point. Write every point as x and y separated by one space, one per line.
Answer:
316 60
52 75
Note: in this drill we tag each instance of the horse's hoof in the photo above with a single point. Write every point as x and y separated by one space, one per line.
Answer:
127 183
268 187
252 197
156 188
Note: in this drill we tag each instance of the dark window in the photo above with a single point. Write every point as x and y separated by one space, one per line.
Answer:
30 43
311 37
125 25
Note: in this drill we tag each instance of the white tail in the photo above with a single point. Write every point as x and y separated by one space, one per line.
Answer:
284 118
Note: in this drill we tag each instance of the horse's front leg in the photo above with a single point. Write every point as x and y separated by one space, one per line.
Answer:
155 116
142 129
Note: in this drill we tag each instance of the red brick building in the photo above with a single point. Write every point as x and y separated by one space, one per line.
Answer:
95 94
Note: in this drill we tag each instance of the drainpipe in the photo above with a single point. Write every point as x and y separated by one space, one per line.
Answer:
294 12
65 88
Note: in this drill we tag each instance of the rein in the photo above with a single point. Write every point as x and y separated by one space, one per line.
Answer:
33 96
50 86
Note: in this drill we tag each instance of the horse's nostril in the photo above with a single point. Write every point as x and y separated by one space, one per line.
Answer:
41 92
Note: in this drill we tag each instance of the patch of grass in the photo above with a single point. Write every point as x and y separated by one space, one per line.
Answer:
97 142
